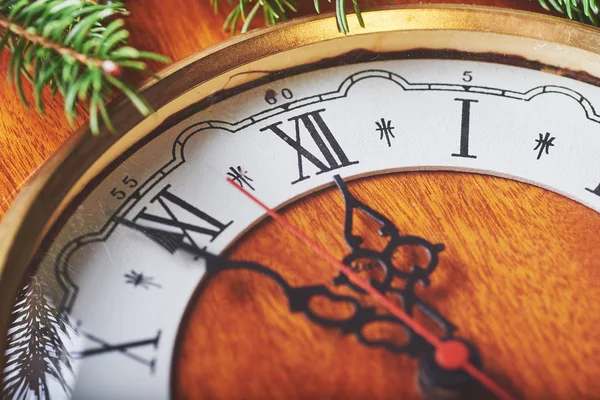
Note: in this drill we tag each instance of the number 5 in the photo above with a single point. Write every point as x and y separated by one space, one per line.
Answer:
117 194
129 181
467 77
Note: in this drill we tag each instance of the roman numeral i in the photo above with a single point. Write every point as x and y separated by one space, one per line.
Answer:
465 129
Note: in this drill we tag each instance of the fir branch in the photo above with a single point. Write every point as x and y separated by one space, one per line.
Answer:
278 10
75 47
35 349
580 10
64 51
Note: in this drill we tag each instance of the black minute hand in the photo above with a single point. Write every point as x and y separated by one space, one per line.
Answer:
416 274
432 378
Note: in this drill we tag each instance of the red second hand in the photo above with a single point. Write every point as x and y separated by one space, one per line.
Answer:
419 329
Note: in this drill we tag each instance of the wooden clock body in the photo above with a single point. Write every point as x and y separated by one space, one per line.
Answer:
556 289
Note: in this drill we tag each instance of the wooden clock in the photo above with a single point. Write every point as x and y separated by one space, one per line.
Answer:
408 211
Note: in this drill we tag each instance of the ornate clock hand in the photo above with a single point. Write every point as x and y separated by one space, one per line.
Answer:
417 274
299 298
451 355
431 376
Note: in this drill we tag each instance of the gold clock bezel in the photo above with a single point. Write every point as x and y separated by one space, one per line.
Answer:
547 41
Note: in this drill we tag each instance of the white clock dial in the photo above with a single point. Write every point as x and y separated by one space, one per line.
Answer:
123 294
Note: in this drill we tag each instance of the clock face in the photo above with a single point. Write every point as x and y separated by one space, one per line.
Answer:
465 189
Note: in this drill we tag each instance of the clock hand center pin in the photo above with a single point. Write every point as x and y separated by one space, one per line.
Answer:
450 354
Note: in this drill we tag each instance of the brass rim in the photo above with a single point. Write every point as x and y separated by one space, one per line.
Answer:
35 210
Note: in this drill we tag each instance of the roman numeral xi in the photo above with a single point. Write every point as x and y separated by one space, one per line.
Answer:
180 221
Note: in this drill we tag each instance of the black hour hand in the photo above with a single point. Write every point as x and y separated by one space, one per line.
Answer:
417 273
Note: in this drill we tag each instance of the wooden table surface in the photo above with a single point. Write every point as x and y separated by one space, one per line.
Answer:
176 28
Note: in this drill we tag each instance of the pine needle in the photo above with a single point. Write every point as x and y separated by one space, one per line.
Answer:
579 10
75 47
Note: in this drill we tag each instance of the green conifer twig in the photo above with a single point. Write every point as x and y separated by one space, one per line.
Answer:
35 352
78 48
278 10
75 47
580 10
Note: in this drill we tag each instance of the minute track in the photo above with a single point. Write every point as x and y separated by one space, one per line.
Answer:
69 249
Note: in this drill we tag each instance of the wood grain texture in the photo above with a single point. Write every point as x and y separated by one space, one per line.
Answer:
176 28
518 277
